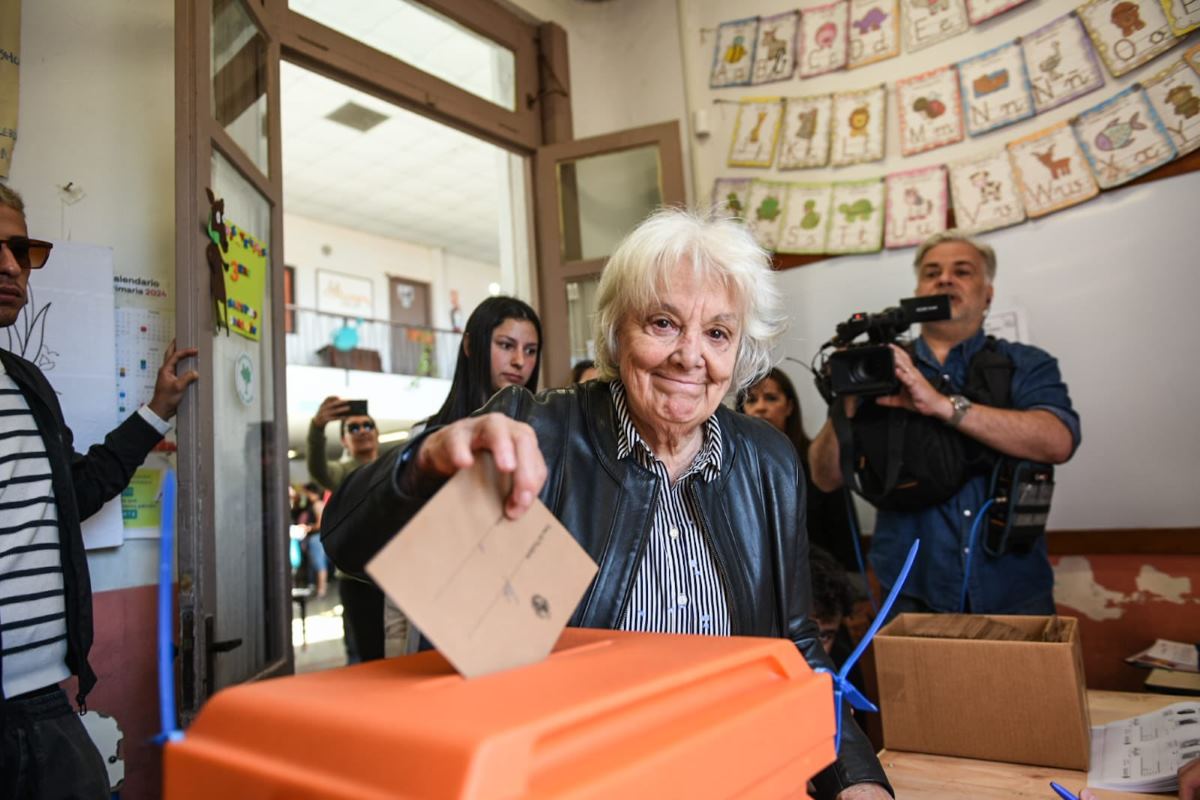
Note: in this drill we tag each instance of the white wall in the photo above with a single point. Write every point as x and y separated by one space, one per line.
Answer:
97 109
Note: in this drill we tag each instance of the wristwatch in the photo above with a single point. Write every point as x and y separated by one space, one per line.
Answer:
961 406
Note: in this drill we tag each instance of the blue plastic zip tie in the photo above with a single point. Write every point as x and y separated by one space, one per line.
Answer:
962 597
166 647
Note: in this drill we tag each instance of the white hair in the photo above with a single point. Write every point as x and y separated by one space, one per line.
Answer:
720 250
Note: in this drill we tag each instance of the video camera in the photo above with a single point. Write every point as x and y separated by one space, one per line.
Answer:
868 368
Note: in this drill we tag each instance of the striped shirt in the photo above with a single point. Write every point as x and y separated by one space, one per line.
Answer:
677 588
33 620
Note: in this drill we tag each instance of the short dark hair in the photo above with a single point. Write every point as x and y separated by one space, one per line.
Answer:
792 425
831 591
342 435
472 384
580 368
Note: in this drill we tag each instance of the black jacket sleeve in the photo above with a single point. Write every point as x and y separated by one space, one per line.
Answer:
108 467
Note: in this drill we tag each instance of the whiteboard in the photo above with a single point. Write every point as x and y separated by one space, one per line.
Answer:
67 329
1110 288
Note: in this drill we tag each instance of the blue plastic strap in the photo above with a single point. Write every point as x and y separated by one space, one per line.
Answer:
166 647
962 597
842 688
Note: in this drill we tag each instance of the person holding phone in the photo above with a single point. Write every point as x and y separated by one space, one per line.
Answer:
362 602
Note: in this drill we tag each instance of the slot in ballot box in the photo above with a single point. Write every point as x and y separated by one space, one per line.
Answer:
609 714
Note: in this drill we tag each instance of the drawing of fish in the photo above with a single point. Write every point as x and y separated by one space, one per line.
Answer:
1117 134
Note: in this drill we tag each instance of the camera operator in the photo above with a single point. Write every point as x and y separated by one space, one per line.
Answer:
1039 424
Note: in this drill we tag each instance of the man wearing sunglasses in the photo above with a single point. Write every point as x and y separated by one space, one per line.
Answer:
362 602
46 490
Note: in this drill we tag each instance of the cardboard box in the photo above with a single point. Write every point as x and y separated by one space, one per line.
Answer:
1017 701
609 714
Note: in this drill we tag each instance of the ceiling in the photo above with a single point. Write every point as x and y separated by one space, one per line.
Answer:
407 178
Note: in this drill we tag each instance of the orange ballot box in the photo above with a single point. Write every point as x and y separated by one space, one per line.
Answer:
608 715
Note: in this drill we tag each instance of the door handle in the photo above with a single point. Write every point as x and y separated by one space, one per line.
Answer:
212 648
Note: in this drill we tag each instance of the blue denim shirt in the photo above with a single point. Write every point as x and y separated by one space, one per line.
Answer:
1013 583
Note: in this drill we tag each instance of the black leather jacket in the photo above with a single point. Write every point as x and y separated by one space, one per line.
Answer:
754 513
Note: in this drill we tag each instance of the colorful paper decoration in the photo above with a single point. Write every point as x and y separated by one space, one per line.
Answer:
916 205
775 52
929 110
927 22
995 89
1175 95
1061 63
874 32
858 131
856 218
756 132
245 281
734 53
980 10
805 138
764 211
823 38
1182 15
1051 170
806 218
732 194
985 193
1127 33
1123 138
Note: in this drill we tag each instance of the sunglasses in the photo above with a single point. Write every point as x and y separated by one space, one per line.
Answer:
28 253
355 427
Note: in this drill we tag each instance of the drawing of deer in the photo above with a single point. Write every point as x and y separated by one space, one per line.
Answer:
1057 166
776 47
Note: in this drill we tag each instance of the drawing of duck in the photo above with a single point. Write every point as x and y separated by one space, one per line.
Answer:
811 218
1117 134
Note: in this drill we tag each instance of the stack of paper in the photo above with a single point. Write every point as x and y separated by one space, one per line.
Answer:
1143 754
1166 654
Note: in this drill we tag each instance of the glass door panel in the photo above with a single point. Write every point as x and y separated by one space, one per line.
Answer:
602 197
239 80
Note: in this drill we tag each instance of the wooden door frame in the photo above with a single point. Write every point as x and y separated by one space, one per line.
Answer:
553 272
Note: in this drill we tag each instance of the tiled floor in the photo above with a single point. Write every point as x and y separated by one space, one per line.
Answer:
325 648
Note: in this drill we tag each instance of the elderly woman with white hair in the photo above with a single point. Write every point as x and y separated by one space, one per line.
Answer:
694 513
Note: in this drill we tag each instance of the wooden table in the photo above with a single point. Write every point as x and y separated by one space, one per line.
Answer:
917 776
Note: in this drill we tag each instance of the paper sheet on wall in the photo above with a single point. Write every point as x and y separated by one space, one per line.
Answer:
805 138
1007 324
733 53
1127 33
1061 63
775 52
141 503
10 83
141 341
874 32
1123 138
67 329
765 211
1144 753
1175 95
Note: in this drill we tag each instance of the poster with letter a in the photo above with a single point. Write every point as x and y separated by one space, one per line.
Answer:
1051 170
1123 138
1175 95
10 67
1127 33
733 55
1061 63
874 31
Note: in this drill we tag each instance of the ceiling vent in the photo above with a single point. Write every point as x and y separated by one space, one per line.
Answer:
352 115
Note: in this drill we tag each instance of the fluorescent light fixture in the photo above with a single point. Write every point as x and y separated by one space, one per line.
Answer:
292 454
493 289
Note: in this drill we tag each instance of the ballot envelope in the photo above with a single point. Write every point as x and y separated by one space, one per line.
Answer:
609 714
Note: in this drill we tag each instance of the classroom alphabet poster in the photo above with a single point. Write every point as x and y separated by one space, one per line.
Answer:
916 206
765 211
245 282
805 219
858 131
929 110
732 194
995 89
755 132
804 141
775 52
1182 15
1051 170
927 22
823 38
1061 63
980 10
1175 95
1127 33
985 193
874 32
1123 138
856 221
733 55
